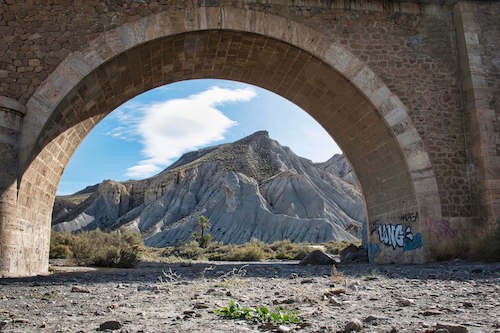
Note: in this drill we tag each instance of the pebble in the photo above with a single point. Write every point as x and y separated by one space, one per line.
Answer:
452 328
110 325
353 326
405 302
284 329
78 289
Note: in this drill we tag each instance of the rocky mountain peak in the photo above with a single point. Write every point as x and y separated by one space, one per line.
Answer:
251 188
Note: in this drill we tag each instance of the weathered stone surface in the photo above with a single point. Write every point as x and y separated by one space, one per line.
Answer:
253 188
353 254
317 257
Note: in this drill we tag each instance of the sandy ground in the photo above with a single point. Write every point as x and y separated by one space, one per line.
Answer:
460 296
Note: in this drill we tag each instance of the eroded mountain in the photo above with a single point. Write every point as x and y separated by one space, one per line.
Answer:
251 188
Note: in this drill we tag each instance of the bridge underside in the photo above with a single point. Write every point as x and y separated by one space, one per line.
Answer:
364 117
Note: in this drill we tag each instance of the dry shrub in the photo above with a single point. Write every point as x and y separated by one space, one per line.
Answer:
334 247
97 248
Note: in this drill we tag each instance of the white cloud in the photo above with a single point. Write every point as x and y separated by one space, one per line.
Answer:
170 128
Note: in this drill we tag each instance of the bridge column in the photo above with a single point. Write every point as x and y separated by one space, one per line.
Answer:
11 114
480 86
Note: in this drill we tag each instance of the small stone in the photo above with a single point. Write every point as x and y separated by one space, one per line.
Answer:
3 324
353 326
110 325
431 313
293 276
467 305
304 281
283 329
335 291
393 330
304 324
201 305
334 302
405 302
78 289
370 319
452 328
228 293
21 321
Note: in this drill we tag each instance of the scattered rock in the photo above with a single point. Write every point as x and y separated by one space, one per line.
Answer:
3 324
293 276
353 326
335 291
317 257
431 313
110 325
304 281
353 254
369 319
200 305
405 302
452 328
21 321
78 289
304 324
284 329
467 305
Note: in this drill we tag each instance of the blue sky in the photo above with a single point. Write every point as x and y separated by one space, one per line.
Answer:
149 132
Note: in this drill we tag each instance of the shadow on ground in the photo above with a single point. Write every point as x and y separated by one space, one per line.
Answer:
456 270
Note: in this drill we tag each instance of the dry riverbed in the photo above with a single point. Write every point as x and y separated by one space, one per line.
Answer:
459 296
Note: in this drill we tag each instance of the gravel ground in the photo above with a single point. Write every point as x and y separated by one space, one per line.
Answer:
459 296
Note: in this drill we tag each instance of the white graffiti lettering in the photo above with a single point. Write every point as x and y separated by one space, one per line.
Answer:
393 235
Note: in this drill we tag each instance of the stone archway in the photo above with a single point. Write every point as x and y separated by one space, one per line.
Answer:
368 122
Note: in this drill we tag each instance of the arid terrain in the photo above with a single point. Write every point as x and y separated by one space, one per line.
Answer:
459 296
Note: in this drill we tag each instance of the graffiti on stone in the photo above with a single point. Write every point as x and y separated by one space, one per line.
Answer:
373 250
413 243
397 236
409 217
440 228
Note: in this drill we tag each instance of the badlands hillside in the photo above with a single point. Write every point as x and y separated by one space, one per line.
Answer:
252 188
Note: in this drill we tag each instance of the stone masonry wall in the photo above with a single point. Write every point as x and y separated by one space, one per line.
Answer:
413 51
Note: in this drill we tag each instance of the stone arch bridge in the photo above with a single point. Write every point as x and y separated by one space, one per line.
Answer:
410 90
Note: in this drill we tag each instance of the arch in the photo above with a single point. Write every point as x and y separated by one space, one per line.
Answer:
366 119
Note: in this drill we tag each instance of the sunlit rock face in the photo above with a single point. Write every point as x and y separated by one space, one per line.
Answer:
252 188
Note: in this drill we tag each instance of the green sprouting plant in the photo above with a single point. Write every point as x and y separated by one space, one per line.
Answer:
258 314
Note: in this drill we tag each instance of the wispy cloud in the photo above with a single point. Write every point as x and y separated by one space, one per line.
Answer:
168 129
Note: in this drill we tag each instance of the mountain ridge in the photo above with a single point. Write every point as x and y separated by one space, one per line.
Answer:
251 188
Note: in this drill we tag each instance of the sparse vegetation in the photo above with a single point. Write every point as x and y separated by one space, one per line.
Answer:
203 239
258 314
97 248
123 248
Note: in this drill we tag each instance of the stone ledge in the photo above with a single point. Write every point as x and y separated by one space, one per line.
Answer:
12 104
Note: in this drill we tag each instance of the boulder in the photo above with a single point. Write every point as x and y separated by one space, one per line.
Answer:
317 257
352 254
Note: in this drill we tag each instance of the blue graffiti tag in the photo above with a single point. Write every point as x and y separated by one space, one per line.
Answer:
374 249
412 244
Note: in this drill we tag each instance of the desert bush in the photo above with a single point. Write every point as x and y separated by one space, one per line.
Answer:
287 250
97 248
60 251
253 250
189 250
335 247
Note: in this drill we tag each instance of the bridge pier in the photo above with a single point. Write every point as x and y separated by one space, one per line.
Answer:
16 257
11 114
